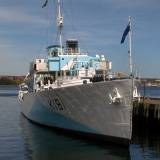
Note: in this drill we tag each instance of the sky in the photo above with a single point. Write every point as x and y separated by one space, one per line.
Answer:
26 30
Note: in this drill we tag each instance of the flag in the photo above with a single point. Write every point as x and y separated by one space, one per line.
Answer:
45 4
128 28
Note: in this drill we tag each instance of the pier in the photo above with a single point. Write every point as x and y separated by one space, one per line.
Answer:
147 107
146 114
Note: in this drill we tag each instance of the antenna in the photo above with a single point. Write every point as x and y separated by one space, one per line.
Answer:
60 24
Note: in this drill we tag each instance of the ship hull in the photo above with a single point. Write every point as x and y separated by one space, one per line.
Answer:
86 109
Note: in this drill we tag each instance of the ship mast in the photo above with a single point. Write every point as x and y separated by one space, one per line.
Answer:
60 25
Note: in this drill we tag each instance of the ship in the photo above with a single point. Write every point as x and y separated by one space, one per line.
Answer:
73 91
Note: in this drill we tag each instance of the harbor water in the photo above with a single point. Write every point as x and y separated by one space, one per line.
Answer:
22 140
151 92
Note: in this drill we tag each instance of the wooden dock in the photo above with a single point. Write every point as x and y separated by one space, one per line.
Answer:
148 107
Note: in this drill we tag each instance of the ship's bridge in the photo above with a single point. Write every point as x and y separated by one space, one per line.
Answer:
55 50
71 49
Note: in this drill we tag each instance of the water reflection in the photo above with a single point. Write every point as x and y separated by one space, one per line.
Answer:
44 143
145 142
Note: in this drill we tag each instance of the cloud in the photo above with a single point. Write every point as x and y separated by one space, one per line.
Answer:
15 56
17 16
129 4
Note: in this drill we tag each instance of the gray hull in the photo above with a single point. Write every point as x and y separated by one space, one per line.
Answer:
85 108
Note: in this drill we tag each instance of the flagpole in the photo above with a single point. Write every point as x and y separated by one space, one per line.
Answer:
130 49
